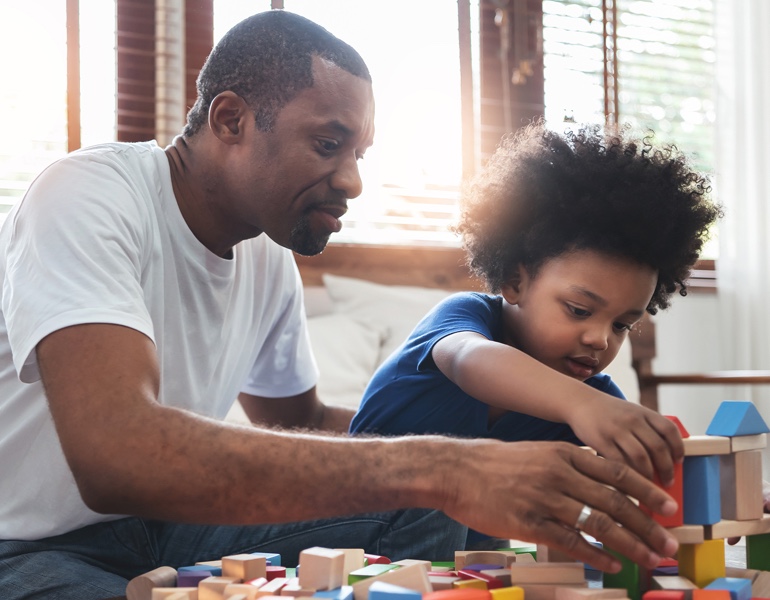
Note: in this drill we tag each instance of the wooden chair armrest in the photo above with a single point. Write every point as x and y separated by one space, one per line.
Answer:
722 377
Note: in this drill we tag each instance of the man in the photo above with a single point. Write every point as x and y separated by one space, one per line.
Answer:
144 289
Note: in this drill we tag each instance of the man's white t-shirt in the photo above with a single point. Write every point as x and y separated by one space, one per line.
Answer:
99 238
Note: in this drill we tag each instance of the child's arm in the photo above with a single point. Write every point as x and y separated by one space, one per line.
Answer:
504 377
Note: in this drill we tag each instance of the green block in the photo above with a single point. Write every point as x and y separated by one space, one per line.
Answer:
449 565
628 578
758 552
369 571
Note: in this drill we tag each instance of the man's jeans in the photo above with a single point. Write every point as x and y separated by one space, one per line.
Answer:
98 561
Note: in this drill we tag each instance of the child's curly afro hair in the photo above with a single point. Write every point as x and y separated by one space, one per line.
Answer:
543 194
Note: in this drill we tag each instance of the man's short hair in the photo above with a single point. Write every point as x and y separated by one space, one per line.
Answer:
267 59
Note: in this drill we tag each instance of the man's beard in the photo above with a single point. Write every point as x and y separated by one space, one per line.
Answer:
302 240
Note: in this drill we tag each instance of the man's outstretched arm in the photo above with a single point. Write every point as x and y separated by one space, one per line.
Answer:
130 455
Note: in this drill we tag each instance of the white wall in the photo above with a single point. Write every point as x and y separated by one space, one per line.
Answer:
687 339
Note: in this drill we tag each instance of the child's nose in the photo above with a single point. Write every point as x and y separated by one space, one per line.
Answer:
596 337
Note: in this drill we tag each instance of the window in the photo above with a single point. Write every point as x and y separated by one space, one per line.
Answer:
33 110
647 63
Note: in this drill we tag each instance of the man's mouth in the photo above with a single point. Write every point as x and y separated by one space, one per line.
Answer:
330 215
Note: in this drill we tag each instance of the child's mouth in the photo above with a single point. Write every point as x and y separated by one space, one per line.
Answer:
579 369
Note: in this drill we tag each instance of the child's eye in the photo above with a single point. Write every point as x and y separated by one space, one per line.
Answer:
578 312
622 326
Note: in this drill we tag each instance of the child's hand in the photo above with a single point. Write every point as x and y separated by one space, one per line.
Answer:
624 431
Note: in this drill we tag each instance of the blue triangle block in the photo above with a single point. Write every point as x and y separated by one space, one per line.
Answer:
735 418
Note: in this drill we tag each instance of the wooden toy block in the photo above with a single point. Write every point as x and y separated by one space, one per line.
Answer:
275 572
369 571
434 569
541 591
663 595
741 484
249 592
526 558
689 534
257 583
750 574
672 582
740 589
630 577
737 418
216 571
191 578
442 582
272 558
294 588
507 593
458 594
546 554
726 529
701 490
236 597
341 593
504 575
707 445
376 559
682 431
321 568
491 582
413 577
354 559
492 557
407 562
381 590
482 567
174 593
470 583
272 587
213 588
710 595
140 588
589 593
760 587
553 573
702 563
758 552
676 491
748 442
244 566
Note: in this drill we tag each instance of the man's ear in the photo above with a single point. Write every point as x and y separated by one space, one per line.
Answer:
227 115
512 288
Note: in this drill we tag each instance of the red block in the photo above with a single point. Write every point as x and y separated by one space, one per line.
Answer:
492 582
675 420
676 491
374 559
664 595
273 572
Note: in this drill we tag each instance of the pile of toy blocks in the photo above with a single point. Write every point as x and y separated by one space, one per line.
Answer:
718 487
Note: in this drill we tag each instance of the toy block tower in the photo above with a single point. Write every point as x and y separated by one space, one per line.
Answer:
741 470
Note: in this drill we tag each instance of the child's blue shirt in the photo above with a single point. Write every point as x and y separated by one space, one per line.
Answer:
408 394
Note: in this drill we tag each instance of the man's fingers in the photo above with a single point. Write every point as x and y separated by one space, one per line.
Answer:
639 538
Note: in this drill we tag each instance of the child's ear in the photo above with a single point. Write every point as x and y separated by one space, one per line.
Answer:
511 289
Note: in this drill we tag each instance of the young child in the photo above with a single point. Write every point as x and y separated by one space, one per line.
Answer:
575 236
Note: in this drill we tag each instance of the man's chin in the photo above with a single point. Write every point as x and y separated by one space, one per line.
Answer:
309 247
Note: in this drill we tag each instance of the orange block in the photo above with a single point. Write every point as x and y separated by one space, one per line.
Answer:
459 594
710 595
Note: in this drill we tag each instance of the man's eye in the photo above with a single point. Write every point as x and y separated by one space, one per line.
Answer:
328 146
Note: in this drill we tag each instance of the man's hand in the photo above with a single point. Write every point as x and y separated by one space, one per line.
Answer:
629 433
535 491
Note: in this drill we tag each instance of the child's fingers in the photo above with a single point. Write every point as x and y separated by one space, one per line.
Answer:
659 453
670 433
637 454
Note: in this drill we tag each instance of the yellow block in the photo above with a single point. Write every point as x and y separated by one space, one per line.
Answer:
702 563
508 593
464 584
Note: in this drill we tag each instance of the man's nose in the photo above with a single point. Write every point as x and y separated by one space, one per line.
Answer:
347 178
